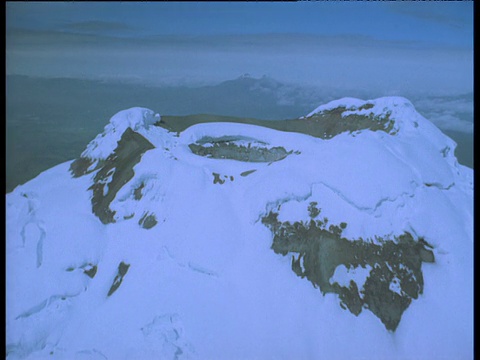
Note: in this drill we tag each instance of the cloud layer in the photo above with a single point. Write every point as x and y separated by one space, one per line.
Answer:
453 113
336 62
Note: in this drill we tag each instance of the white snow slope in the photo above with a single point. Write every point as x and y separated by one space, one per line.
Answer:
203 282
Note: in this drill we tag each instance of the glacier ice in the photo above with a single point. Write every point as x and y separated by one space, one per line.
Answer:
216 247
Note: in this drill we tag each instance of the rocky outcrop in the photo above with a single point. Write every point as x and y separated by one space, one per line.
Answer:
395 276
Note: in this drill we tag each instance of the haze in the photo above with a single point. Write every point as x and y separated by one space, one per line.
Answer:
384 47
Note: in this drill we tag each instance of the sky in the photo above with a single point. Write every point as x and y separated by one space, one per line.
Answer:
392 46
387 48
443 22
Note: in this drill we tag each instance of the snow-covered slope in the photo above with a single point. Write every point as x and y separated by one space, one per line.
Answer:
235 241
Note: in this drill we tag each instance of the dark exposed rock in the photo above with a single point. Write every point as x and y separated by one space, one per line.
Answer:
220 149
366 107
396 260
349 297
122 271
80 166
313 211
147 221
324 125
217 179
332 122
248 172
117 170
90 270
137 193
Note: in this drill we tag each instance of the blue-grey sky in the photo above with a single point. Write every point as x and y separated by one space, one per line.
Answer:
392 48
437 22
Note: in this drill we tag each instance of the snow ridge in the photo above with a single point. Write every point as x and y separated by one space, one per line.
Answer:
136 118
397 108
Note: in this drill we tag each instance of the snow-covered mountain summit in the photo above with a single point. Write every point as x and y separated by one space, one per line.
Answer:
247 239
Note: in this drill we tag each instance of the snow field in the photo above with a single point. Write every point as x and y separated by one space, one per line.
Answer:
204 283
